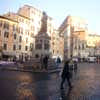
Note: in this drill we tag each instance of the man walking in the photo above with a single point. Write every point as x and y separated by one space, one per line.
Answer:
58 61
45 61
66 74
41 61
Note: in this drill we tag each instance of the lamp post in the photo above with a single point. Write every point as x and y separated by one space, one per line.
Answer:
94 50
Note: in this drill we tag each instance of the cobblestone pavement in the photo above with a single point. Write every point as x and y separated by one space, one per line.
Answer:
46 86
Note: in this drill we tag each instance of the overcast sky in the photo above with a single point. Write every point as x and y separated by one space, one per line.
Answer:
59 9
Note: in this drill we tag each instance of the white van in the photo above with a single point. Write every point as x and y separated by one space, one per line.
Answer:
92 59
75 59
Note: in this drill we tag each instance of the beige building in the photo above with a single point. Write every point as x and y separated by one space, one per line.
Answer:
24 37
32 33
93 40
8 42
93 44
57 45
43 29
74 30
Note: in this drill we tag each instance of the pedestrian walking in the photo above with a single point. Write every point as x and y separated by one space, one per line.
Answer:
98 60
71 64
41 61
66 74
75 66
58 61
45 62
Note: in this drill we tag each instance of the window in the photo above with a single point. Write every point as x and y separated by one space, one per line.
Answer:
53 38
41 41
75 47
15 36
37 40
0 32
46 46
26 48
14 28
6 25
32 19
53 51
28 32
83 46
6 34
32 35
53 43
19 19
39 22
22 20
50 31
21 30
26 22
26 40
14 47
79 47
38 46
18 29
32 28
20 39
0 23
19 47
31 46
32 11
5 46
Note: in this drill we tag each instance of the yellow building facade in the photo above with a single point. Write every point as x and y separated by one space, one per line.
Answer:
93 40
93 44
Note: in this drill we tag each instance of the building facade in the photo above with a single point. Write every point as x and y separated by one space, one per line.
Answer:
8 39
16 39
93 44
32 33
57 45
43 29
74 30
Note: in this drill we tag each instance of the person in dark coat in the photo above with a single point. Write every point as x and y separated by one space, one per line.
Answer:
75 65
41 61
58 61
66 74
45 62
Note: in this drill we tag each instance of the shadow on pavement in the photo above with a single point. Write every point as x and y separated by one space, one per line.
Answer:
65 95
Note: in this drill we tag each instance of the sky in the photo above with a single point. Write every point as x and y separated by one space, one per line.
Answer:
60 9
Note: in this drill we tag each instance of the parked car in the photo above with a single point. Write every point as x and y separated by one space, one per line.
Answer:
75 59
7 65
92 59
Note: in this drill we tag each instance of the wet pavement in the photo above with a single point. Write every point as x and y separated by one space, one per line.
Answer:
16 85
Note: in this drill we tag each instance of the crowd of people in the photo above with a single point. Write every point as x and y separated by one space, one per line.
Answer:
44 62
